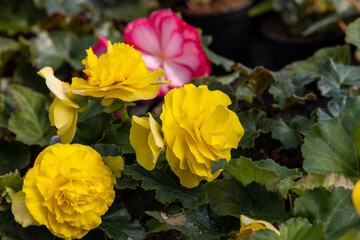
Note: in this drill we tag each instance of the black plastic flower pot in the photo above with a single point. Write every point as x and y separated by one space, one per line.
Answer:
285 49
230 31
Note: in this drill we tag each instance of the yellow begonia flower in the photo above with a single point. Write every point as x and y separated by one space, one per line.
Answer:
198 129
119 73
356 196
146 140
249 226
21 212
63 112
69 189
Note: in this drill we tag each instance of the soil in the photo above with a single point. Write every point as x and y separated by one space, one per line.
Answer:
211 8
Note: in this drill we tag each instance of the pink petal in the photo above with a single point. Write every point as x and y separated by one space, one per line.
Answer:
101 47
172 39
178 74
143 36
152 62
156 17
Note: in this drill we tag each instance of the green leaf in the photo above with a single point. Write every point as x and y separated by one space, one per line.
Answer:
15 231
338 79
314 180
312 64
254 122
217 165
66 7
117 224
60 47
99 125
94 107
289 89
167 186
290 135
329 146
246 172
352 33
335 108
30 122
13 155
126 182
245 93
333 208
282 171
199 223
229 197
106 150
119 135
260 80
153 225
6 45
11 180
293 229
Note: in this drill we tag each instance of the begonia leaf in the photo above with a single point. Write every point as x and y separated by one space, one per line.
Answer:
15 231
314 180
228 197
93 129
329 146
11 180
312 64
26 75
30 122
288 89
335 107
352 32
338 79
333 208
7 45
167 186
61 47
290 135
126 182
282 171
153 225
199 223
246 172
119 135
254 122
106 150
293 229
13 155
118 225
67 7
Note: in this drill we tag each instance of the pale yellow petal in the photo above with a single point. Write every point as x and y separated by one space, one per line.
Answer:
21 212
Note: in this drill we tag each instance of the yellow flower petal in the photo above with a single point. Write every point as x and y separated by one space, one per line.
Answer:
146 140
57 87
21 212
356 196
249 226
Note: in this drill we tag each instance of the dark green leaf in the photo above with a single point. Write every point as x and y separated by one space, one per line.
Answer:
260 80
293 229
107 150
119 135
338 79
217 165
167 186
126 182
229 197
117 224
333 208
199 223
290 134
93 129
13 155
11 180
246 172
312 64
282 171
329 146
67 7
336 106
314 180
254 122
30 122
14 231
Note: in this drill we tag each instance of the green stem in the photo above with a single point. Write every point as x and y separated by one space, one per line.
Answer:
123 114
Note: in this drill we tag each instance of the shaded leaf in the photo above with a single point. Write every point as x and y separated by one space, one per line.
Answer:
336 107
312 64
199 223
117 224
333 208
314 180
15 231
293 229
106 150
67 7
167 186
254 122
13 155
119 135
230 197
260 80
290 135
30 122
337 79
352 33
93 129
329 146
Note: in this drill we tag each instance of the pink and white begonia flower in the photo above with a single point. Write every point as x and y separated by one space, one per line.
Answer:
168 42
